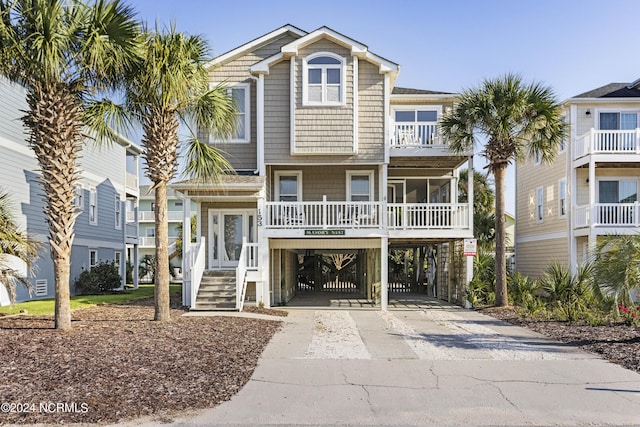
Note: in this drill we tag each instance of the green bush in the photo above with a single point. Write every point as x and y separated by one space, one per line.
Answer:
100 279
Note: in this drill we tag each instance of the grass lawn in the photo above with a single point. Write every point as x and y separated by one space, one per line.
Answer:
46 306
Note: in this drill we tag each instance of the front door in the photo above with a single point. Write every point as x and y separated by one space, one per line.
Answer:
227 229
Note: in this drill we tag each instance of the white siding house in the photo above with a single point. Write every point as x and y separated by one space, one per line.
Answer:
108 187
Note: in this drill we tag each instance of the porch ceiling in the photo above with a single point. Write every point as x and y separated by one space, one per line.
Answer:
444 162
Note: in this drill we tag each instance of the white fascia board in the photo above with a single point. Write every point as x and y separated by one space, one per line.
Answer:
324 32
253 44
601 100
262 67
423 97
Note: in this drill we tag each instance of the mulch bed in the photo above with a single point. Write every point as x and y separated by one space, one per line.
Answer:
116 364
616 342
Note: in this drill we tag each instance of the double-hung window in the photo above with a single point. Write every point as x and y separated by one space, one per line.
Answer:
562 197
118 212
360 186
93 207
323 80
240 93
289 186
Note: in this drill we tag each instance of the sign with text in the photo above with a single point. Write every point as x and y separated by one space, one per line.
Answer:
470 247
324 232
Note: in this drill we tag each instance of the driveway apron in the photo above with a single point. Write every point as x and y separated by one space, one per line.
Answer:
442 365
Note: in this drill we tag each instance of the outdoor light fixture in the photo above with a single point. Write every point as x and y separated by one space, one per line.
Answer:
588 112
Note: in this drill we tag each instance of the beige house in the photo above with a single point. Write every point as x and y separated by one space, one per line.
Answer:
332 160
591 188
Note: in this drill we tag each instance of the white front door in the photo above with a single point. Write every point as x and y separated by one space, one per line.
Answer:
226 231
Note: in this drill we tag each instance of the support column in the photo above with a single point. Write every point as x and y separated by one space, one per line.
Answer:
384 273
186 249
263 287
592 204
470 191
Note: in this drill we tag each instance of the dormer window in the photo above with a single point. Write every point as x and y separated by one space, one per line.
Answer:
323 79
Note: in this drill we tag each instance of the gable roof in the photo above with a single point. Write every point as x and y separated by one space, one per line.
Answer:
255 43
357 49
613 90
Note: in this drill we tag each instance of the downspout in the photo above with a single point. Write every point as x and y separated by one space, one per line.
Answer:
260 166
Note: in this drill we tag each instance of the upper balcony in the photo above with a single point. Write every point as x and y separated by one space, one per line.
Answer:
411 140
149 216
615 217
333 218
615 145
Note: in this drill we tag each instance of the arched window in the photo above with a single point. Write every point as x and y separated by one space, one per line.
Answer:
323 79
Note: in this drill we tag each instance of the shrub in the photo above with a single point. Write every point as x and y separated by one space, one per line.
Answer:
524 293
101 278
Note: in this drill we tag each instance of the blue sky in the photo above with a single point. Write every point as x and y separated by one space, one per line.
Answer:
572 46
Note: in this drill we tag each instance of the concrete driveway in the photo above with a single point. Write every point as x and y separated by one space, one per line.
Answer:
438 366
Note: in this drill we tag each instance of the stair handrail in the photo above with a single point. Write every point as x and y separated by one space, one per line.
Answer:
197 263
241 276
248 260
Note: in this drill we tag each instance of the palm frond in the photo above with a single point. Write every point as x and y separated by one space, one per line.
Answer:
204 163
107 120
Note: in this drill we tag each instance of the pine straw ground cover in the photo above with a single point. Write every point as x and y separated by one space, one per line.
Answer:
117 364
616 342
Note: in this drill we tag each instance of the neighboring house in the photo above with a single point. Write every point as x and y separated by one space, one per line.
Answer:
510 236
590 190
107 189
146 220
332 160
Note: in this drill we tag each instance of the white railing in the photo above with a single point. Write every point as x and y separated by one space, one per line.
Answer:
150 215
348 215
416 135
428 215
196 263
131 216
247 261
131 231
324 214
131 180
581 216
608 215
607 142
150 242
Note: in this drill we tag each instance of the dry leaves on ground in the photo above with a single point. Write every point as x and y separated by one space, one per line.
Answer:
116 364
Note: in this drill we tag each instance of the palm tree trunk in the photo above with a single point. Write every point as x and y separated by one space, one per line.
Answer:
162 303
62 293
501 265
54 124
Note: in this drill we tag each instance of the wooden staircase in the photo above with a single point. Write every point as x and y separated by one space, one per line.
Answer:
217 291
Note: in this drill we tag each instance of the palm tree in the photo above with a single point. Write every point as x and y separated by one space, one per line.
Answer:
484 223
14 243
63 52
171 87
617 268
517 120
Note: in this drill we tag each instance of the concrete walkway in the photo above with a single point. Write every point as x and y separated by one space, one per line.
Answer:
437 366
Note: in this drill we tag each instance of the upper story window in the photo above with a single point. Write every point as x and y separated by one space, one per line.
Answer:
240 93
618 120
118 212
323 80
288 186
562 197
93 207
360 186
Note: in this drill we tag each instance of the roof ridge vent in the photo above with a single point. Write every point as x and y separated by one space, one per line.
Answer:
634 84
